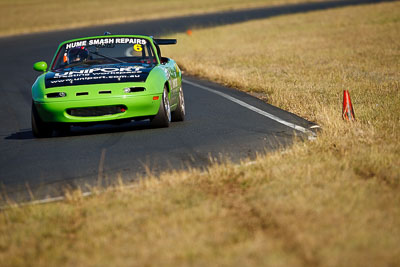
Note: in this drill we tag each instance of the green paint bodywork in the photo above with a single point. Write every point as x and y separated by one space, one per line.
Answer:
40 66
139 104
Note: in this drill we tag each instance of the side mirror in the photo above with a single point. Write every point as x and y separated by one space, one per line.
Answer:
40 66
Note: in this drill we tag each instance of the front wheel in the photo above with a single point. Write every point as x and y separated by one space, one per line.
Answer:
63 129
40 128
179 113
163 117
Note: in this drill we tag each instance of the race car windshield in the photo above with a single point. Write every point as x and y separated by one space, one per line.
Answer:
103 51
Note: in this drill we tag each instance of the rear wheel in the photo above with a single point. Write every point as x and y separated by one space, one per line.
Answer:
163 117
179 113
40 128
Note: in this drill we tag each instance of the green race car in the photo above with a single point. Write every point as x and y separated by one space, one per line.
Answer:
107 79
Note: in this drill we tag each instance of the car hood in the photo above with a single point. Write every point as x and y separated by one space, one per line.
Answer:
115 73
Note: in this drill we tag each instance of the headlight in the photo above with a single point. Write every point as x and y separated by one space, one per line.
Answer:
134 89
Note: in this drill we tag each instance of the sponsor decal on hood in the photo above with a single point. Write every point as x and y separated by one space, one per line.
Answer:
97 75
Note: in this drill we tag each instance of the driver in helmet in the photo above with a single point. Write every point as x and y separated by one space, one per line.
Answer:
77 54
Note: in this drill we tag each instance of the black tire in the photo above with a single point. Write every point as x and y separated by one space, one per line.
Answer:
40 128
179 113
163 117
63 129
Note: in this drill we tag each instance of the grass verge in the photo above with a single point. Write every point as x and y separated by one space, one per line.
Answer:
331 202
29 16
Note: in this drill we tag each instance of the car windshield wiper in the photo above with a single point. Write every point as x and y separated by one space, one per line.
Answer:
107 57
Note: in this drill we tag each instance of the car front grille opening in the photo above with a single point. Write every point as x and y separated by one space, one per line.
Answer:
104 92
97 111
82 93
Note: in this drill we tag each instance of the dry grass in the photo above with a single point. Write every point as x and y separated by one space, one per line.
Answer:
331 202
302 63
27 16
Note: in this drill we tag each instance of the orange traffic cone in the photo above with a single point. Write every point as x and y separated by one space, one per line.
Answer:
347 111
189 32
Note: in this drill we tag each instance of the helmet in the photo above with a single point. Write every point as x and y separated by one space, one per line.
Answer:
77 54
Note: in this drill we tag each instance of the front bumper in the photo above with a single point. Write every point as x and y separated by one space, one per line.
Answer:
136 106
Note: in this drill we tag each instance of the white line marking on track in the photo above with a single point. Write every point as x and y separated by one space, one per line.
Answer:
55 199
315 126
257 110
42 201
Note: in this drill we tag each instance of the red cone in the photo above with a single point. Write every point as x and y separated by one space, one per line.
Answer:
347 111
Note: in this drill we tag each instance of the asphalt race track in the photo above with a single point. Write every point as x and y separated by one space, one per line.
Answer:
215 126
